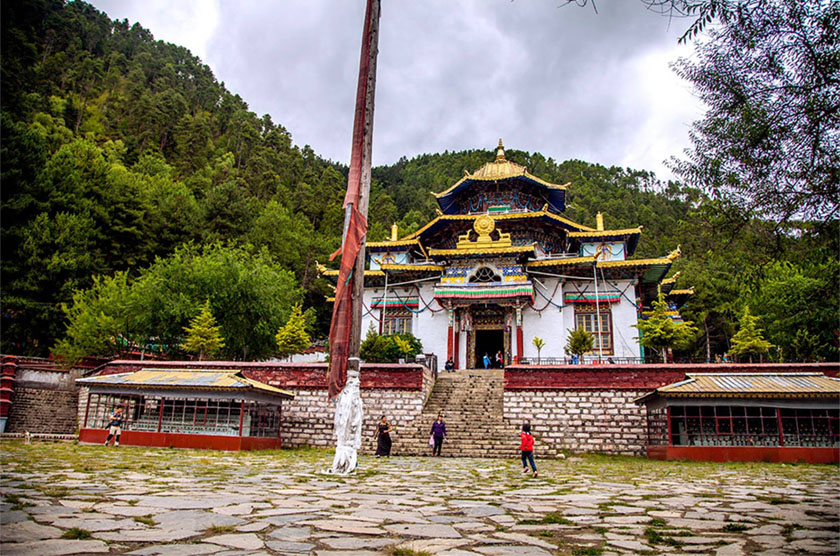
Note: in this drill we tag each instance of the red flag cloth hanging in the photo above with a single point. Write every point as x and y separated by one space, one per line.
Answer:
342 319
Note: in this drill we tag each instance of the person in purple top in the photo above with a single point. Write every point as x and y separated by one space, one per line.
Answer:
438 433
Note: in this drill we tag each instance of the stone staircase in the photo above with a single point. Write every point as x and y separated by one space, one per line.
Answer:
471 402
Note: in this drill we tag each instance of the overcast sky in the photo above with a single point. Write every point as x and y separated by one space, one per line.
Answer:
452 74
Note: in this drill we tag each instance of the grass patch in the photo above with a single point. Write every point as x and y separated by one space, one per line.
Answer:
557 517
17 502
587 551
132 502
366 473
654 536
56 491
735 527
562 491
145 519
548 534
76 534
409 552
787 531
528 522
220 529
657 522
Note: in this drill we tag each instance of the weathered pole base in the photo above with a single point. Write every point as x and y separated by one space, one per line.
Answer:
348 422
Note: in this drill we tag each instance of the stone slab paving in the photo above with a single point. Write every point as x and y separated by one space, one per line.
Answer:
68 499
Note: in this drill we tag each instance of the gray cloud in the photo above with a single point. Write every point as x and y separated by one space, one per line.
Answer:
564 81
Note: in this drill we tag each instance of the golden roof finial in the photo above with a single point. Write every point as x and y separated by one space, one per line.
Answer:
394 232
500 151
599 222
674 254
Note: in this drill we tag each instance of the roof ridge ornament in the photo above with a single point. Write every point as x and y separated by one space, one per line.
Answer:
484 225
500 152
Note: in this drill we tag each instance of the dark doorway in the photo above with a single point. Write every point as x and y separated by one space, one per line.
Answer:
489 342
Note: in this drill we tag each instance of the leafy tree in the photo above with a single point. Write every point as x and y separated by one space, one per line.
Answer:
769 74
799 301
660 332
203 334
748 341
539 344
102 321
579 342
249 292
293 338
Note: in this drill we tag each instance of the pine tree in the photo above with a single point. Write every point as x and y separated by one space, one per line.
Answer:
579 342
749 339
660 332
293 338
203 334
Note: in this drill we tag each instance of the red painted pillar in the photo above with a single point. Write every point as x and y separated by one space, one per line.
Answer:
450 333
7 386
456 343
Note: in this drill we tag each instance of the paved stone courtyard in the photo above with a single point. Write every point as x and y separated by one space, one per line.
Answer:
68 499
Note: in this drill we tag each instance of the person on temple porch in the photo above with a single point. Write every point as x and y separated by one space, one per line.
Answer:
486 361
500 363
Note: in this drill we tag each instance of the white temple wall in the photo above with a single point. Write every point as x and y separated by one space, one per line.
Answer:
548 324
368 319
625 317
431 327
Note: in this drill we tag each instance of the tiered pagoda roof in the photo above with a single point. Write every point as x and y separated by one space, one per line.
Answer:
500 171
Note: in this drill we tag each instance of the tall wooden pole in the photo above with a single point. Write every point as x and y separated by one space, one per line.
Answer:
372 39
346 332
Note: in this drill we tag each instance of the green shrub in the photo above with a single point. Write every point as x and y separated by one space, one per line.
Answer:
389 349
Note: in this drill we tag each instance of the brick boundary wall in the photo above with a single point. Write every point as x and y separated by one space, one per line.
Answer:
589 408
43 396
43 410
395 390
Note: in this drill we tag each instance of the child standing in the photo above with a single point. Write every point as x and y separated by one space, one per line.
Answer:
527 448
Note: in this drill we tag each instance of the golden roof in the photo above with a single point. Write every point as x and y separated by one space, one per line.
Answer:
689 291
368 273
499 169
497 217
635 262
599 233
488 250
569 261
672 279
412 267
387 243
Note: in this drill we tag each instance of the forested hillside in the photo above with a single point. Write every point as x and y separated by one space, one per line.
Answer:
136 187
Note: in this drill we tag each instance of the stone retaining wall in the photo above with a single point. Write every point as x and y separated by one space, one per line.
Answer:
43 410
582 420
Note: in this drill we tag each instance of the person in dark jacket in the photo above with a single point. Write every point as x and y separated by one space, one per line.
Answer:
383 438
438 433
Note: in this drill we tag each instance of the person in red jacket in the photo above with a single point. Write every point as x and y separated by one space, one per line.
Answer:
527 448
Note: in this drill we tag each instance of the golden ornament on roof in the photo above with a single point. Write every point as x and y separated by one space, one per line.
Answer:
484 225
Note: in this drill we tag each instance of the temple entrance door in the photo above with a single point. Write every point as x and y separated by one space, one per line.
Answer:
489 342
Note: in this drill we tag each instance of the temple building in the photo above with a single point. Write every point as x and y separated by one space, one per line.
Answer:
501 265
